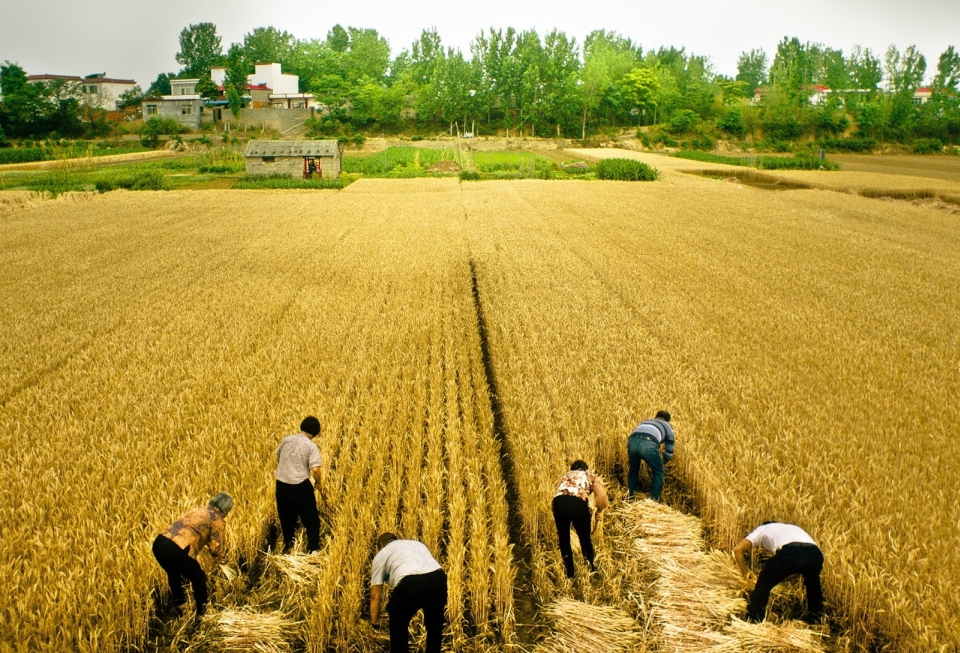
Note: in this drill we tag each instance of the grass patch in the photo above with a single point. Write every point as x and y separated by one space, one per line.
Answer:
398 162
281 182
762 162
71 150
526 165
177 173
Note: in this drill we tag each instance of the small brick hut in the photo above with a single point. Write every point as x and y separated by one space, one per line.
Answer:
297 159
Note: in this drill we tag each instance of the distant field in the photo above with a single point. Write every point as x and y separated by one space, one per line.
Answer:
936 166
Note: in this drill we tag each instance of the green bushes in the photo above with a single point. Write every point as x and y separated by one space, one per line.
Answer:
469 175
141 180
57 150
22 154
731 122
155 127
853 144
928 146
282 182
625 170
397 162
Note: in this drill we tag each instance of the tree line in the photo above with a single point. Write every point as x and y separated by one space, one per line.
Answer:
525 83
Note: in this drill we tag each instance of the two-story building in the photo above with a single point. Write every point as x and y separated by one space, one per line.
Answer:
183 104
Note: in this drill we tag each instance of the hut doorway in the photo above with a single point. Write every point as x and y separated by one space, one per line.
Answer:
311 167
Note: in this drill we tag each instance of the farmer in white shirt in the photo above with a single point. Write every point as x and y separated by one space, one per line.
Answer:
794 552
298 460
417 582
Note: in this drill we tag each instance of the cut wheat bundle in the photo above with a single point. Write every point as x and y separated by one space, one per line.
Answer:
246 629
299 568
766 637
579 626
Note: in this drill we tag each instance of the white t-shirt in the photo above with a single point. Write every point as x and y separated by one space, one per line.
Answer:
775 536
399 559
296 456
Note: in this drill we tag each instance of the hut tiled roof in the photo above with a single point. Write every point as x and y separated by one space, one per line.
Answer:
292 148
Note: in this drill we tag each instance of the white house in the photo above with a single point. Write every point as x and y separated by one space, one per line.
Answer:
102 92
282 89
95 91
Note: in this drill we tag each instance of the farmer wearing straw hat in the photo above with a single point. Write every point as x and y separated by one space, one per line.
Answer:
571 506
298 460
176 549
794 552
418 582
643 445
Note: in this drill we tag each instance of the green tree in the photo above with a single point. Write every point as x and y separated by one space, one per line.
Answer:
731 122
235 78
269 45
607 58
200 50
793 68
161 85
948 74
642 87
131 98
559 72
833 70
338 39
864 70
25 111
367 55
904 71
13 78
752 69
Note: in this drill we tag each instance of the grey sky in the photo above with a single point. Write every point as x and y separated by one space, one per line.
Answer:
138 40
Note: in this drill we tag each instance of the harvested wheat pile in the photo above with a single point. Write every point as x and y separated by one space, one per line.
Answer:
697 592
301 568
246 629
583 627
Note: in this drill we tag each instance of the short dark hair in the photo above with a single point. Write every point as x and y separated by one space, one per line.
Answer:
385 539
664 415
310 425
579 465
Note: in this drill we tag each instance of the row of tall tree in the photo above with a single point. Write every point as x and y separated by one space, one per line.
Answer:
551 85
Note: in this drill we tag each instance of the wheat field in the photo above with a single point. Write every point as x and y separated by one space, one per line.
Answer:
461 344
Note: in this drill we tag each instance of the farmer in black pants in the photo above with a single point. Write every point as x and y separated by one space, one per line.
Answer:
571 507
176 549
418 583
298 459
794 552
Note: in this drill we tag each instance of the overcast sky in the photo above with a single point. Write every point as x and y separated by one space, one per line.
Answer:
134 39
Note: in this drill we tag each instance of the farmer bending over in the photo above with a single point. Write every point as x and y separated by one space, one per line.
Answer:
418 583
177 547
794 552
571 507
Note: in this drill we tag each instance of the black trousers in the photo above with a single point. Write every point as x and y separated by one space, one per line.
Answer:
179 567
567 511
297 502
794 558
427 592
